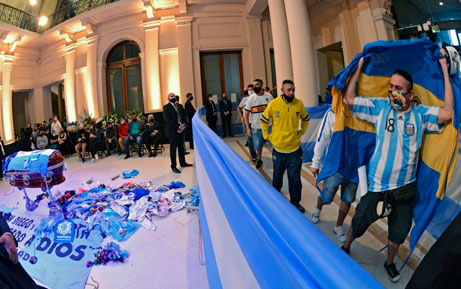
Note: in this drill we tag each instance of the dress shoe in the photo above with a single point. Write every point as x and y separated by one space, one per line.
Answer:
185 165
175 170
300 208
186 153
126 157
151 155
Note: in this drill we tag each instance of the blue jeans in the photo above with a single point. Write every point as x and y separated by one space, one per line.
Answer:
128 141
258 139
331 185
290 162
251 146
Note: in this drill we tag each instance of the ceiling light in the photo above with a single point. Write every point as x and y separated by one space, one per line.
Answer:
441 3
42 20
33 2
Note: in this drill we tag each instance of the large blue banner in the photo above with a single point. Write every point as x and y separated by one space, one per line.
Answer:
253 237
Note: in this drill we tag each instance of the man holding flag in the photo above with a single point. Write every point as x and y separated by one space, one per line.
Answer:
400 127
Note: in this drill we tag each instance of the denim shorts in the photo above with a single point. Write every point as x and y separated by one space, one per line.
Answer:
258 139
331 185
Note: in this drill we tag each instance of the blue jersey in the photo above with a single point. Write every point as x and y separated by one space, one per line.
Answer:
398 139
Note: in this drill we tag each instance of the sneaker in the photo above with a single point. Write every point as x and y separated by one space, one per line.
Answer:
96 156
346 250
315 216
254 159
340 234
392 272
259 164
92 160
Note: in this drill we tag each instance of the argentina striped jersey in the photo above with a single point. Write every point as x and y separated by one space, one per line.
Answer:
398 139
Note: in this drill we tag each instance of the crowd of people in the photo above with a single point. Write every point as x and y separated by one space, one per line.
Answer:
400 128
92 141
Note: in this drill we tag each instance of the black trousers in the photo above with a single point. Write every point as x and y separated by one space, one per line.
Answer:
226 125
212 125
152 140
189 135
1 165
176 143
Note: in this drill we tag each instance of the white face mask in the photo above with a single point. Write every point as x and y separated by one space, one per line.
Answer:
122 122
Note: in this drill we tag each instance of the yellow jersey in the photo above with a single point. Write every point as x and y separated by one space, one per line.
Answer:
285 136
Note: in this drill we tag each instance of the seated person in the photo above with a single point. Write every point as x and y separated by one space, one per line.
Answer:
93 143
135 132
12 274
82 142
152 135
111 136
62 142
54 140
42 141
122 132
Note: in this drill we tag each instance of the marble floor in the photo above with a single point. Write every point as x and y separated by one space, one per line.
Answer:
170 256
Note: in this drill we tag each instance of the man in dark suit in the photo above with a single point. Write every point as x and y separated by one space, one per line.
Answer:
175 119
211 114
225 106
190 111
12 274
2 156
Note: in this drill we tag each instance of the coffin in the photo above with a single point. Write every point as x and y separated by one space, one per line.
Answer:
36 169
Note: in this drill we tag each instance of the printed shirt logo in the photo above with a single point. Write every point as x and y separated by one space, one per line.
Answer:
297 114
277 113
409 129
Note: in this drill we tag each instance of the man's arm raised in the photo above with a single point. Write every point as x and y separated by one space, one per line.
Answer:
351 89
446 112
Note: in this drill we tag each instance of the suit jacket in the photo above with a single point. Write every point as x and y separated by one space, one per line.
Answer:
140 126
2 155
171 119
190 111
225 106
210 117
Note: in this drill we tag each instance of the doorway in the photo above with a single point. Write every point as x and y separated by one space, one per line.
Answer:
330 62
20 111
222 72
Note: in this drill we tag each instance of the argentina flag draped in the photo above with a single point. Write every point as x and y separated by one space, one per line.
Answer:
353 140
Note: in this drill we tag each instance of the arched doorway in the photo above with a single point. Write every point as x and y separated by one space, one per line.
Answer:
123 75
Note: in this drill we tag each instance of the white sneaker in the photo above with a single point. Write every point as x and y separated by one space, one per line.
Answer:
340 234
92 160
315 216
96 156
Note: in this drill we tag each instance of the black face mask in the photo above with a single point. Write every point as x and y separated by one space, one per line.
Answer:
151 121
173 99
289 99
257 89
191 98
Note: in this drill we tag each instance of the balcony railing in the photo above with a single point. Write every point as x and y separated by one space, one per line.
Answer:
15 17
24 20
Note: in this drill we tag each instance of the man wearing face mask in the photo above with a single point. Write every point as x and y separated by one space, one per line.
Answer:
122 131
56 125
190 111
135 132
225 106
175 119
254 108
286 113
400 128
211 114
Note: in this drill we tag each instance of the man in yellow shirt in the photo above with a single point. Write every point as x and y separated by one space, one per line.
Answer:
286 112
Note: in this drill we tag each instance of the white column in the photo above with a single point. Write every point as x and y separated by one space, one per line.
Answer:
302 51
186 68
69 84
152 65
282 50
7 101
256 47
102 99
91 80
